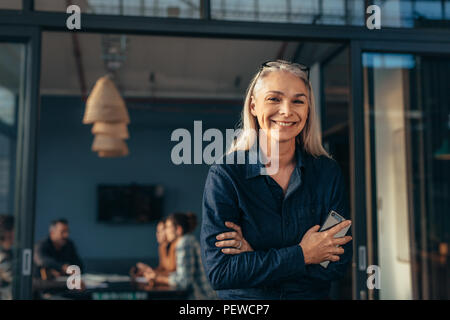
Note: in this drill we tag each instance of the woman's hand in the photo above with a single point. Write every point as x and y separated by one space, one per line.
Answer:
322 246
142 267
233 239
150 274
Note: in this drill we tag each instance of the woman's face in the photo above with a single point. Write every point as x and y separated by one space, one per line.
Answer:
171 231
280 102
160 232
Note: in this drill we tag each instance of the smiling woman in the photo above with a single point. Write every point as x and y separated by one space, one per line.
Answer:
289 91
259 236
285 110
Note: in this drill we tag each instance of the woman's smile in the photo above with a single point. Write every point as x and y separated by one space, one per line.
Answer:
284 124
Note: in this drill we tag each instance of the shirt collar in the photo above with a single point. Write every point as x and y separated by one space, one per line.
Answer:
255 169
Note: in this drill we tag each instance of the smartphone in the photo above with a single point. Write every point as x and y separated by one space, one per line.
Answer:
333 219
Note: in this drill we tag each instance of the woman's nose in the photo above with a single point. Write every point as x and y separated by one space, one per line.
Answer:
285 108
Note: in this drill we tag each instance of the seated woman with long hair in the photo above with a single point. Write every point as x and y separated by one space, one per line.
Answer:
189 274
166 254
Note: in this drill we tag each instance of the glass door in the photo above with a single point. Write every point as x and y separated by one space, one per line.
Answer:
19 83
335 124
407 123
12 58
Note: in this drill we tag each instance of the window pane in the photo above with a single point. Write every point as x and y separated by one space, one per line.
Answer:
295 11
11 4
148 8
333 12
429 9
11 76
356 13
7 106
4 173
447 10
408 118
400 13
394 13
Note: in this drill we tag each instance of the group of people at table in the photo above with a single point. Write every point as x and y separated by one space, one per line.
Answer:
180 265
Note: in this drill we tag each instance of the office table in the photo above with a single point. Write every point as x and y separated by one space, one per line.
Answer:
114 290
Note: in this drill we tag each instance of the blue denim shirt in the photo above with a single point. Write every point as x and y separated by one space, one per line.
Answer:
274 224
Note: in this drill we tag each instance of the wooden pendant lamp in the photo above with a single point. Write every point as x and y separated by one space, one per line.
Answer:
106 110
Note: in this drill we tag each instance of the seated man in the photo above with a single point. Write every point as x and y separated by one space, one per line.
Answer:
56 252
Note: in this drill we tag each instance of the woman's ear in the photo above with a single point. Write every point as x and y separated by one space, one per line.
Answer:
179 231
252 106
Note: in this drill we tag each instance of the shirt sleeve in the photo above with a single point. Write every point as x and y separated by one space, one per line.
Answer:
182 276
339 203
248 269
75 258
43 258
6 275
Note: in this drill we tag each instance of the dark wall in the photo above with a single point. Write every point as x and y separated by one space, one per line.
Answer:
68 173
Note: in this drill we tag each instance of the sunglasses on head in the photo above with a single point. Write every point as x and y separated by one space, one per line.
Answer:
276 63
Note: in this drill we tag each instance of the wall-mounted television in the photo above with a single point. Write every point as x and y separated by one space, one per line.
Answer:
129 203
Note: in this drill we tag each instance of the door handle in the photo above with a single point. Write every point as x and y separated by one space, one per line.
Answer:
362 259
26 262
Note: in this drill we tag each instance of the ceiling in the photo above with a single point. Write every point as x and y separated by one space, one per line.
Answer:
182 67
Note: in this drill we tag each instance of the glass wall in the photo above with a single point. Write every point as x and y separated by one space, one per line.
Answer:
407 106
11 77
394 13
11 4
338 12
147 8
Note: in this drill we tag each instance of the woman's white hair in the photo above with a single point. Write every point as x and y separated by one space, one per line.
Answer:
310 136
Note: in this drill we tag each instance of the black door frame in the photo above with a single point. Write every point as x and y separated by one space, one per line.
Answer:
365 196
25 165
